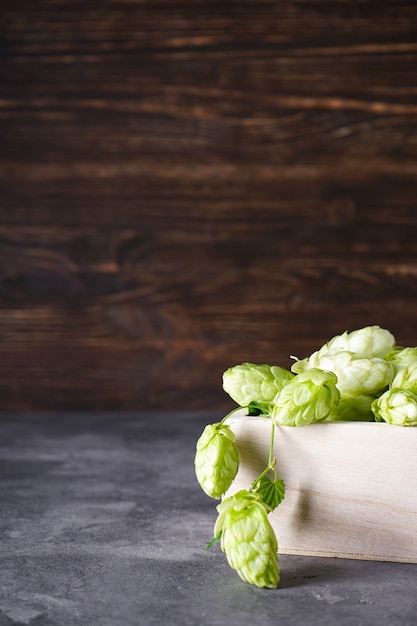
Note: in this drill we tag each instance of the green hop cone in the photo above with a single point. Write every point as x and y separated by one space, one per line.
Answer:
397 407
357 359
308 398
400 358
248 539
406 378
216 459
358 375
249 382
355 375
370 341
356 409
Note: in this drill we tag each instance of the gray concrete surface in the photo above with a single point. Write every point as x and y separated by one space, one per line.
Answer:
103 523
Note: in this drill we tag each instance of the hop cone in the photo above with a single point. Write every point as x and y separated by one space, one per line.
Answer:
370 341
406 378
308 398
356 409
216 460
357 358
400 358
248 382
355 375
248 539
396 407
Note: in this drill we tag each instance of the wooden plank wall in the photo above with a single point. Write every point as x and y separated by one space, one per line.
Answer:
187 184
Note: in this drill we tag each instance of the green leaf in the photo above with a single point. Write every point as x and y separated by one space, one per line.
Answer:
256 408
213 541
272 492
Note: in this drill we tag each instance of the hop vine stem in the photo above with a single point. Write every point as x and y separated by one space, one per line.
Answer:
239 408
271 467
272 461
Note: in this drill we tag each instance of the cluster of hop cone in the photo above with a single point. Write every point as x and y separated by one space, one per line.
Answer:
361 375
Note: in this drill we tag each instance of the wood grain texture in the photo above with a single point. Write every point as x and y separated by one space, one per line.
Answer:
186 185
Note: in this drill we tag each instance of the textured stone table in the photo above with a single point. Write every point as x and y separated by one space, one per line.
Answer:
103 523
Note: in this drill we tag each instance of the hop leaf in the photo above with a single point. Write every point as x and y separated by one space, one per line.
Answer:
248 383
248 539
216 459
272 492
308 398
256 408
213 541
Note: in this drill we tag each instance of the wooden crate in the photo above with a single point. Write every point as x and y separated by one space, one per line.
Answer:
351 487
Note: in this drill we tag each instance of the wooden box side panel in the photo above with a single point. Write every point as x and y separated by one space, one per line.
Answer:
351 488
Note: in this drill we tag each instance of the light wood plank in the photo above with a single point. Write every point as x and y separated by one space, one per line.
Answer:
350 487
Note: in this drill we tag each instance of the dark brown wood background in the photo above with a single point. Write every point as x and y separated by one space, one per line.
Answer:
187 185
